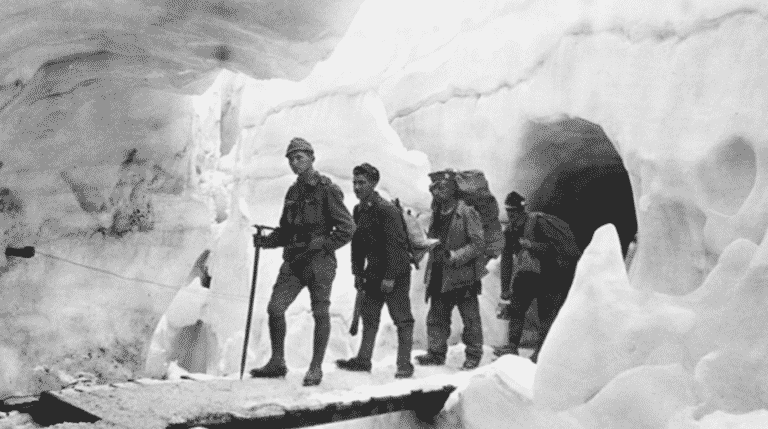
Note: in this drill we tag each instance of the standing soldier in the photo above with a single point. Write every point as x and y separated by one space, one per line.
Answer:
382 270
453 273
314 224
542 268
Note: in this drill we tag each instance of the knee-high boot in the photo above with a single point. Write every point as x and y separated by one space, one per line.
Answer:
362 362
404 347
277 330
367 344
276 365
322 334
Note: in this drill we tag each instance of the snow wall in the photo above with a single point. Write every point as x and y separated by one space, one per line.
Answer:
677 86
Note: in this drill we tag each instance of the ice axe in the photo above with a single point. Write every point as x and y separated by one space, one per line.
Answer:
259 229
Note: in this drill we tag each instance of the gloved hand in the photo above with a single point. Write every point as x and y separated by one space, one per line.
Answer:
387 285
451 258
359 282
316 243
504 310
258 240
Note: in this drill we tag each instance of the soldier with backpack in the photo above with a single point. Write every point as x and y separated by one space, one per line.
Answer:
381 264
538 262
453 272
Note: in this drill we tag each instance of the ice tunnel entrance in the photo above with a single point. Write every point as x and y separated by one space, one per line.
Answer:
569 168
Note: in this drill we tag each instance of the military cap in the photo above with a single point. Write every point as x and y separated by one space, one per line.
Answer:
367 170
297 144
514 201
447 174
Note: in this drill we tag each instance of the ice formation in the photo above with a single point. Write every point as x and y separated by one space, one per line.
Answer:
637 358
127 154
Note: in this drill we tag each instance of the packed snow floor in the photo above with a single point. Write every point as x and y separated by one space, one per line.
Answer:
159 406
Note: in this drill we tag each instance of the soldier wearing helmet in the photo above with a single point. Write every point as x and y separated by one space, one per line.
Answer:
314 224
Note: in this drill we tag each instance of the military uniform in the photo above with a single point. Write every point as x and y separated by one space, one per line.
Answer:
314 210
455 285
313 225
379 252
549 287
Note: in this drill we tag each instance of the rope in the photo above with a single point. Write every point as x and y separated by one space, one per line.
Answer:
230 297
107 272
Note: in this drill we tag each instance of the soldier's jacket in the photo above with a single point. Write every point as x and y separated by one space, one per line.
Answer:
465 236
552 244
380 240
314 210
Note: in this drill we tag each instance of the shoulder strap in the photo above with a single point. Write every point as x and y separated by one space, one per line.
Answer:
324 180
323 184
530 223
411 253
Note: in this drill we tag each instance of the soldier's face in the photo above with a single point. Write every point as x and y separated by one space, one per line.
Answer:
442 190
362 186
515 216
300 161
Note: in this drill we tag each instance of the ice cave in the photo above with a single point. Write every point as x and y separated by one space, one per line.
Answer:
142 139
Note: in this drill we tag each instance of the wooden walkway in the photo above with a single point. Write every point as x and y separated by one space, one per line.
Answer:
227 403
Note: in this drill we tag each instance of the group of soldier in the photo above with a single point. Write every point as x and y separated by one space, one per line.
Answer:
315 223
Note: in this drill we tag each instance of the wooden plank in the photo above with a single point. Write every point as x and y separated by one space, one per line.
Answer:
281 403
60 409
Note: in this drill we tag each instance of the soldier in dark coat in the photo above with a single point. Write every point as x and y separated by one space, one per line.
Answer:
382 270
549 240
453 273
314 224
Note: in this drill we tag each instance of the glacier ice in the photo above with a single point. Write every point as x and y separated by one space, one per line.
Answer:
100 121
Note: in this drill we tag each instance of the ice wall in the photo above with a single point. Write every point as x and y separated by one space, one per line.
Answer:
677 87
111 138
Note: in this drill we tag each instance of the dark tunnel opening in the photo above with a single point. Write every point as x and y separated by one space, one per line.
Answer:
569 168
572 170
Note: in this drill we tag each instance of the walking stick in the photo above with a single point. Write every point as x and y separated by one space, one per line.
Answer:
259 229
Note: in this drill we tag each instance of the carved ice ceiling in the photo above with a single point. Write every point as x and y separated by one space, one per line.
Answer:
127 152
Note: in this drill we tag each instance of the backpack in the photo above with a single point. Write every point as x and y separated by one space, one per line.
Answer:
473 189
418 242
560 237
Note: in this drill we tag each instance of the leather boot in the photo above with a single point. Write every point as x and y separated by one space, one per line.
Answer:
361 362
354 364
322 332
470 363
535 356
509 349
313 377
275 368
404 346
405 371
430 359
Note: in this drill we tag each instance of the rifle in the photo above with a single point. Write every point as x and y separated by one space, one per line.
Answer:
410 249
356 312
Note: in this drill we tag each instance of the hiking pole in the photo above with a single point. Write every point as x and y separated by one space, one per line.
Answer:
259 229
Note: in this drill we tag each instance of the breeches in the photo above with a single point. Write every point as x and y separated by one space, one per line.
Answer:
317 274
398 303
439 323
527 287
